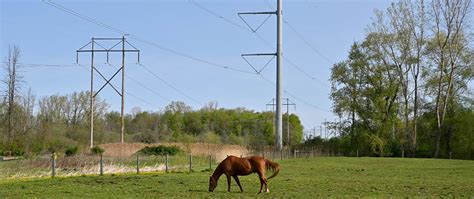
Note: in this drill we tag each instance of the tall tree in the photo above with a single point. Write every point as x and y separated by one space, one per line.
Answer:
448 48
12 84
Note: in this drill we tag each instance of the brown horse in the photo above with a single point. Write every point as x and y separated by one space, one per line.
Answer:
235 166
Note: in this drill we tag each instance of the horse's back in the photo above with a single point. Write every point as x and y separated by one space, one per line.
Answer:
237 166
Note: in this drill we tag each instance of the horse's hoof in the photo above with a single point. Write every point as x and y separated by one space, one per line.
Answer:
268 191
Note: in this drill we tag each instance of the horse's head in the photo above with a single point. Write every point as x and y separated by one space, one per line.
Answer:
212 184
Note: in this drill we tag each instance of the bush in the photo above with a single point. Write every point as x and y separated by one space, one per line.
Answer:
71 151
97 150
161 150
13 150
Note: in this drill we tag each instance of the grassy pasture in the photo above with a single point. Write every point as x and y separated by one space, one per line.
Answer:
300 178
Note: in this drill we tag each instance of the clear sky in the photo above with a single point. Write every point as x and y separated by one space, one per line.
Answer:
325 29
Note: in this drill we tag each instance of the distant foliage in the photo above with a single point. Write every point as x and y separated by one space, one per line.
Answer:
71 151
161 150
146 138
97 150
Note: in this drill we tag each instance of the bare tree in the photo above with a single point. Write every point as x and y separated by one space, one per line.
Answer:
12 84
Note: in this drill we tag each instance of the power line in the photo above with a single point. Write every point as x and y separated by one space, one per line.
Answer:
99 23
304 72
154 44
300 69
145 87
30 65
218 15
302 38
170 85
141 99
294 96
128 93
89 19
140 39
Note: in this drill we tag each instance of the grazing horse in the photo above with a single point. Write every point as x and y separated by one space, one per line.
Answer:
235 166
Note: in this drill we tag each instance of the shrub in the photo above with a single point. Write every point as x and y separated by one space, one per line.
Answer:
160 150
13 150
70 151
97 150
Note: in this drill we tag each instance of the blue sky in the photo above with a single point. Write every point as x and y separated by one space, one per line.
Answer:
47 35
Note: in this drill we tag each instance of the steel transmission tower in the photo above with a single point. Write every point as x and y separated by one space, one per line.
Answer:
279 56
97 46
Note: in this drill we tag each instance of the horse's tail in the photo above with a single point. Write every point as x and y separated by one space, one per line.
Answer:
273 166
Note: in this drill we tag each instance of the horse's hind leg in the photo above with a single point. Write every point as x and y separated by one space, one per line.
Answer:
236 178
266 185
263 181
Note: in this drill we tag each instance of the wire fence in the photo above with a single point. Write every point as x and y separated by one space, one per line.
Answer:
50 165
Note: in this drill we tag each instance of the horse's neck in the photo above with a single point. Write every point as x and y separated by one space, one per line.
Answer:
218 172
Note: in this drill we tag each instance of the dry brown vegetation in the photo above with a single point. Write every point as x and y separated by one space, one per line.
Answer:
218 151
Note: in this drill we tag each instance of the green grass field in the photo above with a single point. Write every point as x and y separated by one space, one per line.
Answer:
300 178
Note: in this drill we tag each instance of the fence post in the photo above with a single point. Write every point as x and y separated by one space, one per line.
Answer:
403 153
190 163
450 155
101 165
138 168
166 163
53 166
357 152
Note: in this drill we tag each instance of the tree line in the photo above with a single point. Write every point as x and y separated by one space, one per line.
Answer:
61 122
405 87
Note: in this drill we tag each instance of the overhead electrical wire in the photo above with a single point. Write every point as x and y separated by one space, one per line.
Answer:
291 63
294 96
171 85
267 43
302 38
144 86
127 92
29 65
140 39
137 38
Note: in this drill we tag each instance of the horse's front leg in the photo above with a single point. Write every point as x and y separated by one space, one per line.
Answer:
238 182
228 182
